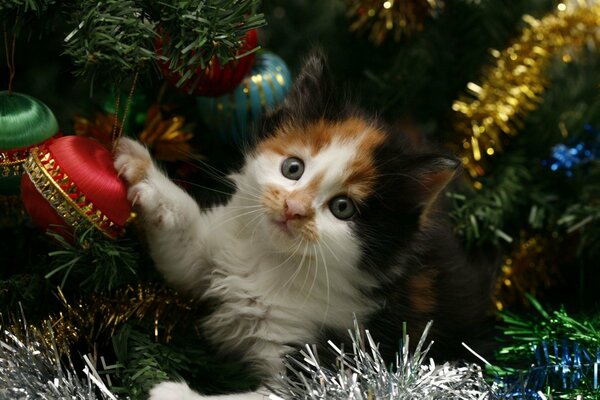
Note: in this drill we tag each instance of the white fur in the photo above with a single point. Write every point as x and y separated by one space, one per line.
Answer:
273 289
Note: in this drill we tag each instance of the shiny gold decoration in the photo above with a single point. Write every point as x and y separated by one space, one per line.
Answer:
531 268
11 162
398 18
100 128
495 109
167 135
64 196
98 316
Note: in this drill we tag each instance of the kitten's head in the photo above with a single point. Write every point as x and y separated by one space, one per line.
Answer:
324 172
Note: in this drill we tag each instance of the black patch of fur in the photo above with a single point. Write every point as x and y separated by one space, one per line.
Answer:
313 96
396 246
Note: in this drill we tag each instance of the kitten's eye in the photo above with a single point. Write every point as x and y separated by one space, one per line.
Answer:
292 168
342 207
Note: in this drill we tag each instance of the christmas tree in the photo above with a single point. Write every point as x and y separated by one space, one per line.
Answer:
511 88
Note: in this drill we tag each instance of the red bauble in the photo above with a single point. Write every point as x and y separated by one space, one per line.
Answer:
215 80
70 182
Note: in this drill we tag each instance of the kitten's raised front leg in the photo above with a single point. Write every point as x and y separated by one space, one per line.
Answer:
170 218
181 391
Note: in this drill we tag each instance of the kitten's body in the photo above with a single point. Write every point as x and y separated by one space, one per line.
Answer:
285 263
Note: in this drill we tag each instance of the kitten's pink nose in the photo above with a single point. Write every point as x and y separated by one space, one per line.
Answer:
295 209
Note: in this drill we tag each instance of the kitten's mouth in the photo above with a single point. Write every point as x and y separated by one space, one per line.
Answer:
283 226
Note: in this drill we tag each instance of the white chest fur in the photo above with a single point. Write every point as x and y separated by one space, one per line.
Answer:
268 299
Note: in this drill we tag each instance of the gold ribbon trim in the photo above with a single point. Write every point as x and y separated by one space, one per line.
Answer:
64 196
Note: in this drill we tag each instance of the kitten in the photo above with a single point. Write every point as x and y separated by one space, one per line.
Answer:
334 216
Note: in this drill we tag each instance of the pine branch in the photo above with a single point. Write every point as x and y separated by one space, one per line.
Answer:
113 39
484 216
24 6
583 217
195 31
94 261
142 363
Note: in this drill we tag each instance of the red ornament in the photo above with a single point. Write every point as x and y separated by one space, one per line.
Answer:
71 181
214 79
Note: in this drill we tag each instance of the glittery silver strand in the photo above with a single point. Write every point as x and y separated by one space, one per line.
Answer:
33 370
364 375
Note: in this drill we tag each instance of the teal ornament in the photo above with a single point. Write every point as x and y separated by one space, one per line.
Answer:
266 86
24 123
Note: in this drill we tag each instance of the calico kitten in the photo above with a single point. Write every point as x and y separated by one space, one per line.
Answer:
334 215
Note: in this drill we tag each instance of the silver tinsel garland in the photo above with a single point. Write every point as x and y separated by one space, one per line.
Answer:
364 375
32 370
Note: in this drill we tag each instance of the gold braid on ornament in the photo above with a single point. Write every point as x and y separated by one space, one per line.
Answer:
496 108
11 161
64 196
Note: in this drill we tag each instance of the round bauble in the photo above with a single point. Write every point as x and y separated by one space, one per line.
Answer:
71 182
264 88
215 79
24 123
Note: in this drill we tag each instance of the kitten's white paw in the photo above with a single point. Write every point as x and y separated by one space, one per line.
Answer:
173 391
132 161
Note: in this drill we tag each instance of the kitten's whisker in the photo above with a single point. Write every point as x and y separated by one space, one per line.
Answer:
316 273
297 270
244 207
287 259
308 272
197 162
235 217
255 229
212 189
327 282
329 248
250 222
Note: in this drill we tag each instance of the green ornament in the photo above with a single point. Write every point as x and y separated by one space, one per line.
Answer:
24 122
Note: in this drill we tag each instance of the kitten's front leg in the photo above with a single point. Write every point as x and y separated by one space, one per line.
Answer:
171 219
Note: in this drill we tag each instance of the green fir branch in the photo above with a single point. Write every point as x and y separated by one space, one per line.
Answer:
484 216
143 362
583 217
520 333
196 31
25 6
95 262
112 39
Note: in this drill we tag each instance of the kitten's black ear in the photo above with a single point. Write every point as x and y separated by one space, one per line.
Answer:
432 174
311 93
309 98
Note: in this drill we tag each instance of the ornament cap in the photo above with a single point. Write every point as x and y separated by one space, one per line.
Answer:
24 121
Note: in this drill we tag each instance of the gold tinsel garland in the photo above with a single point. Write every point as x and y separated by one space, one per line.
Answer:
98 316
496 108
381 18
531 268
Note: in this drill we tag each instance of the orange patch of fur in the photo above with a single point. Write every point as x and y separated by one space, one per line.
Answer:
421 292
274 202
139 169
320 134
362 170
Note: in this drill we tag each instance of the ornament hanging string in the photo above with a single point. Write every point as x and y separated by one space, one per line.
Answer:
116 135
10 55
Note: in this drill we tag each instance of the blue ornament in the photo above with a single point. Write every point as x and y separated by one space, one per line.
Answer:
264 88
583 149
